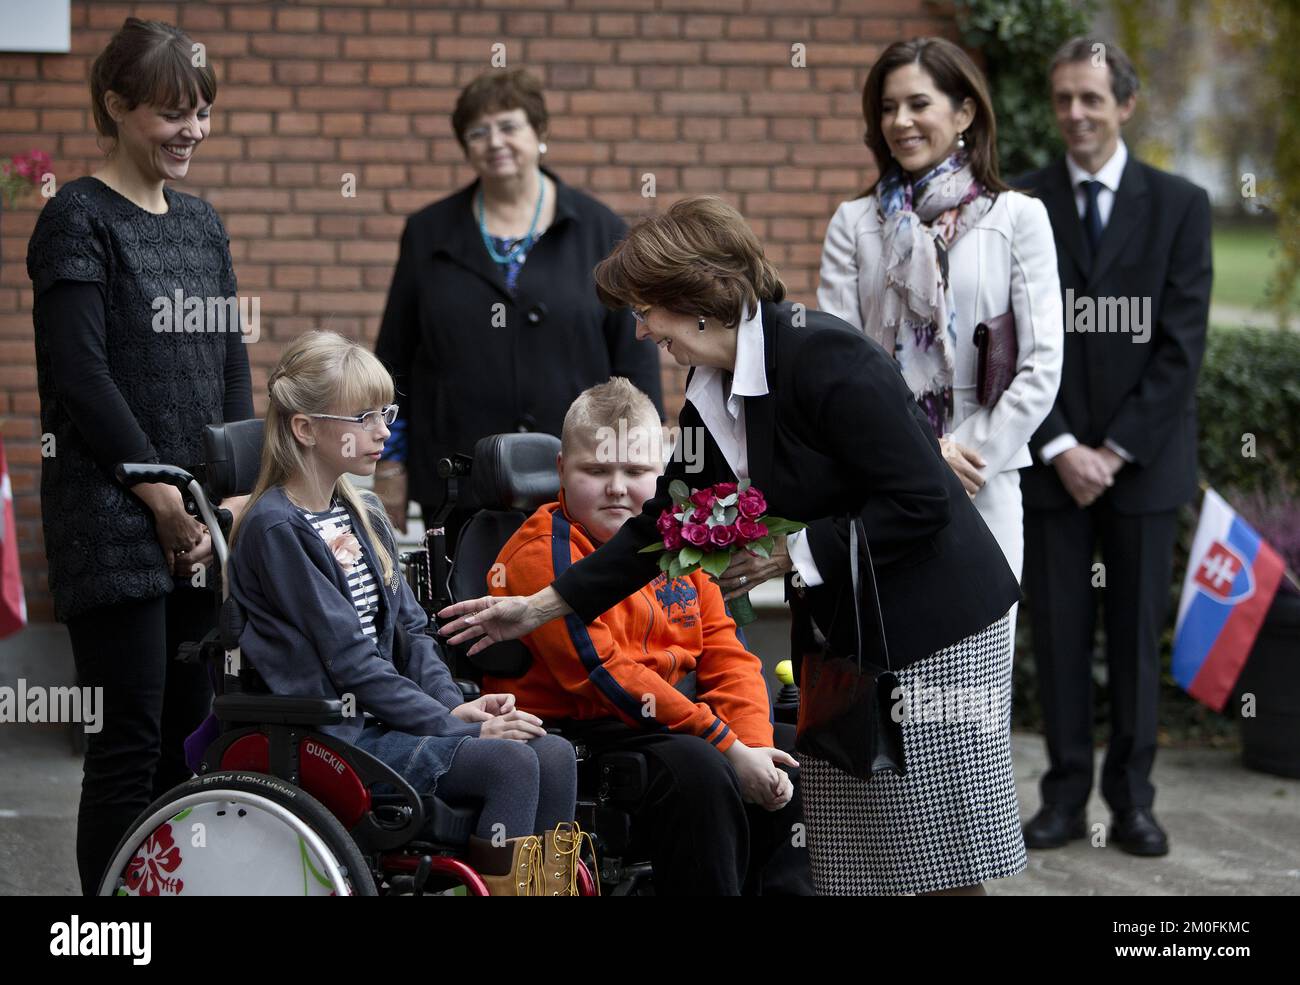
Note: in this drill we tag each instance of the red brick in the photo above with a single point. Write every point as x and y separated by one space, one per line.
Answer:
661 52
297 20
343 73
348 226
388 73
395 48
296 73
389 21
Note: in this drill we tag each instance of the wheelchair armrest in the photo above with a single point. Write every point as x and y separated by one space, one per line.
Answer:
278 709
468 688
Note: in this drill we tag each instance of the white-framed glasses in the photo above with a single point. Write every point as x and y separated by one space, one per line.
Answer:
507 129
369 421
639 314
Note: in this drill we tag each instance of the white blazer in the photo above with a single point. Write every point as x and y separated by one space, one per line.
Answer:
1006 261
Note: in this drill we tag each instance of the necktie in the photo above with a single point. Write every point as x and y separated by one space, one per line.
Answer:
1092 214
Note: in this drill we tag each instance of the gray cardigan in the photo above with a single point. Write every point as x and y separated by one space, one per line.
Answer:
304 637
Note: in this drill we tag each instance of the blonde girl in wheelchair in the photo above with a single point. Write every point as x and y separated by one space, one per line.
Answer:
313 566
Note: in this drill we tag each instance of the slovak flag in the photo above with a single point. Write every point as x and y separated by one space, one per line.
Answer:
13 605
1232 576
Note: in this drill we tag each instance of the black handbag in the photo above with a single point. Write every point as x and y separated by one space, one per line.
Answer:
846 704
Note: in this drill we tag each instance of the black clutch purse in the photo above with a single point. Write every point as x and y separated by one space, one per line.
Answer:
846 704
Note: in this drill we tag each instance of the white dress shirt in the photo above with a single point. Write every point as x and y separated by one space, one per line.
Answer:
724 416
1108 175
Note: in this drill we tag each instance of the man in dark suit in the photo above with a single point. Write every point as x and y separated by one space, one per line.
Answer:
1116 456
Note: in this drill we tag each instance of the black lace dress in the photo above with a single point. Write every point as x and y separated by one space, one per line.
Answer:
115 384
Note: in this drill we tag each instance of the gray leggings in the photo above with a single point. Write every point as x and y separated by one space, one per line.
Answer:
526 787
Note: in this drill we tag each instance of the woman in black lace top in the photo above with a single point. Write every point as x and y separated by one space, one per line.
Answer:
124 377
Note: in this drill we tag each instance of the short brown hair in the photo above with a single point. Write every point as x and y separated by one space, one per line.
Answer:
151 63
698 258
958 78
603 406
1123 76
498 92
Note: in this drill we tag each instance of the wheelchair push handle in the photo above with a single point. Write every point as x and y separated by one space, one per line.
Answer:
133 474
195 497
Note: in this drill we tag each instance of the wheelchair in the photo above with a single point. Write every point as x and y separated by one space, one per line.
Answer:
512 475
278 807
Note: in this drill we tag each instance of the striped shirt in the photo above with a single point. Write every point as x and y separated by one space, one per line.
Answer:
332 524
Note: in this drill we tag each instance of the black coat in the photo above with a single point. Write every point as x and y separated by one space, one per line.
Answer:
838 431
1142 396
471 360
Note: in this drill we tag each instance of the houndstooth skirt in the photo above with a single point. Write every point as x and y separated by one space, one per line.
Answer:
953 819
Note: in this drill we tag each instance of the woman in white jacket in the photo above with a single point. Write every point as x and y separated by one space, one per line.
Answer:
938 245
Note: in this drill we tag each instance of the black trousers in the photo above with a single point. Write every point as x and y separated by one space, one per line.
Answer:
1137 555
151 704
704 839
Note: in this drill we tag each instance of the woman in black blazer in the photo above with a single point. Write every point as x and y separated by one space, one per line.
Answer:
819 418
492 322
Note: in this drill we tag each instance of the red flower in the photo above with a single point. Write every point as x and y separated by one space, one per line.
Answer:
722 536
695 533
751 504
750 530
156 856
724 489
673 539
700 515
667 523
703 497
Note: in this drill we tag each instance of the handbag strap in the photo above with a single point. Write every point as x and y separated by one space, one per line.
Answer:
856 525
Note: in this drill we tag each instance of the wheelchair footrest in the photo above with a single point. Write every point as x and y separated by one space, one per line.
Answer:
447 824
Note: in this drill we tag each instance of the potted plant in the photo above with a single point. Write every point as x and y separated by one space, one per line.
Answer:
1270 740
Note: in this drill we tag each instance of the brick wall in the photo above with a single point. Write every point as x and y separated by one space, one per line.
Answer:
700 93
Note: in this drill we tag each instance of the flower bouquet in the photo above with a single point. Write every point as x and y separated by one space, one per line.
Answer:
705 527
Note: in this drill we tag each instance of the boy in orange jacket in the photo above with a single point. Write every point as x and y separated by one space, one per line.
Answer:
717 804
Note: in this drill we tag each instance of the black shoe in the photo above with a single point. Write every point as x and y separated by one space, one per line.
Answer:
1053 826
1136 832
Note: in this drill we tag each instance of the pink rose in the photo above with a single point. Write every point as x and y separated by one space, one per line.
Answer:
703 497
751 504
722 536
667 523
696 534
673 539
700 515
750 530
345 549
724 489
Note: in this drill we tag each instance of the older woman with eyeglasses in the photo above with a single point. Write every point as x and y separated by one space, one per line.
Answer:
492 322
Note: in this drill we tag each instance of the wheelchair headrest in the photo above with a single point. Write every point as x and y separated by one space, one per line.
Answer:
516 471
233 454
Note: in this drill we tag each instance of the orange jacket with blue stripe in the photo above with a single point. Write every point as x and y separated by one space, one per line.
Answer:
626 663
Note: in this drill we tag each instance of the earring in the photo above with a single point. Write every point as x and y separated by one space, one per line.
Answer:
961 141
541 148
701 323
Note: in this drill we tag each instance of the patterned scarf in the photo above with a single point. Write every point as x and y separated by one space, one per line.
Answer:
922 220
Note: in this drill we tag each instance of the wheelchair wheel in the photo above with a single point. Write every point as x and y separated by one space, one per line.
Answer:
236 833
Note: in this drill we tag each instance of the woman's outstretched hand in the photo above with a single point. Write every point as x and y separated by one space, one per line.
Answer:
493 619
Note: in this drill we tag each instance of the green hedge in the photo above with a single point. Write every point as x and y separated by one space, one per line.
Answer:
1249 383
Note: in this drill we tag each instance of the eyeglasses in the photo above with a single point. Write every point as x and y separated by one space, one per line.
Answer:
507 129
639 314
369 421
